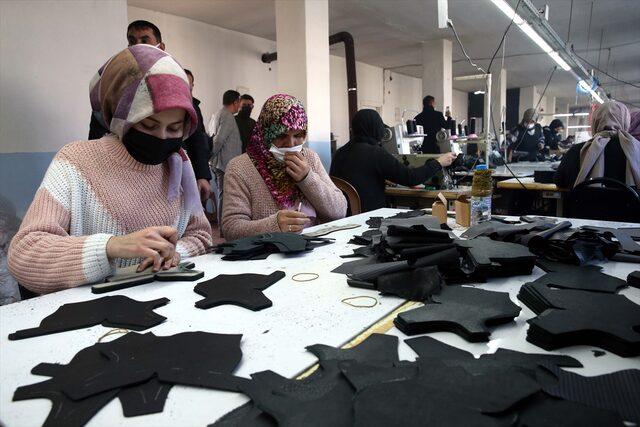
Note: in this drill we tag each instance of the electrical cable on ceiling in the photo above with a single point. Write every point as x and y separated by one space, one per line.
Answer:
455 33
604 72
570 16
504 35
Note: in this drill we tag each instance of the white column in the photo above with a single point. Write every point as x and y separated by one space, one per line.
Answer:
498 98
302 39
528 99
437 78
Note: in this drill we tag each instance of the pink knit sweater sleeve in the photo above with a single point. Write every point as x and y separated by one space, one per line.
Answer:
328 201
43 257
196 238
237 218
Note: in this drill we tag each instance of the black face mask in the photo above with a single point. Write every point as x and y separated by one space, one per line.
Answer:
149 149
245 111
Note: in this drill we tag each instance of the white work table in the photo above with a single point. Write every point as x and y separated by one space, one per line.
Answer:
303 313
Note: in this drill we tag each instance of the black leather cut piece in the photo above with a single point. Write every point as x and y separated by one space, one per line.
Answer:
192 358
408 214
467 312
369 237
113 311
586 278
374 222
570 317
618 391
498 230
349 266
633 279
244 290
376 348
491 258
262 245
247 415
418 284
429 349
143 399
361 374
320 400
628 238
128 277
428 222
544 411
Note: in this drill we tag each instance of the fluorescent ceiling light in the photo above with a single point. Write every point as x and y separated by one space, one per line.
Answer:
570 114
478 92
587 88
533 35
578 127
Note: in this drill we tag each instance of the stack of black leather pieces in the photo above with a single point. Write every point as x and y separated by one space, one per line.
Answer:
626 240
138 369
368 385
262 245
580 306
556 241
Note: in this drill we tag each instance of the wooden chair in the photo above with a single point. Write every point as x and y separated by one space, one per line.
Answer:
353 199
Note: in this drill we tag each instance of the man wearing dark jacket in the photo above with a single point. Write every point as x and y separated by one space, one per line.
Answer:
145 32
364 164
432 121
244 121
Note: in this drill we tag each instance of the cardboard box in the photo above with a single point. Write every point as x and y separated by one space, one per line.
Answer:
463 211
439 208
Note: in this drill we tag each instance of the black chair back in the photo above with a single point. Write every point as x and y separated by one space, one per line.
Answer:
605 199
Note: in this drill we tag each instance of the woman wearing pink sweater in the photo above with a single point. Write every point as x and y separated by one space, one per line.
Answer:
126 198
278 185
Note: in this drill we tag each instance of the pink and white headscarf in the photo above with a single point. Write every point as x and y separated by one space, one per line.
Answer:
136 83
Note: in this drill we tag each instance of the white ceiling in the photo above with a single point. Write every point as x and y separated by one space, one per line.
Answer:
388 34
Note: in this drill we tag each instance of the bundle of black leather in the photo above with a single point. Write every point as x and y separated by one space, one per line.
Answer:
367 385
574 314
139 369
262 245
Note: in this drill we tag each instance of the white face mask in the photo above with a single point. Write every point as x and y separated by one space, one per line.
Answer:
279 153
531 125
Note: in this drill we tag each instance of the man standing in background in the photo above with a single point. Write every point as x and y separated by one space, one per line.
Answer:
197 146
244 121
145 32
226 143
432 121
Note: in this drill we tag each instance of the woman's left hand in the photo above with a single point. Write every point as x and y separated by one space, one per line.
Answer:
296 166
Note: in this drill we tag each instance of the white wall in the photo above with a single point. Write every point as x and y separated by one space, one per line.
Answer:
460 106
220 59
49 52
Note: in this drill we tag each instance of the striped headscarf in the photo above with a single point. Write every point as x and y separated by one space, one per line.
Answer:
280 114
139 82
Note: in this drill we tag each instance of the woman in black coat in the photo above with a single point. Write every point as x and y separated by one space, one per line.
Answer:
364 164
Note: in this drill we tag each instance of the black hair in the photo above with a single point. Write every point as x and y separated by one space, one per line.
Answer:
189 73
141 25
230 97
556 123
426 101
249 97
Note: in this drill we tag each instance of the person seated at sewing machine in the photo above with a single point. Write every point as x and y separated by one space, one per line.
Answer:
278 185
553 136
526 140
366 165
612 152
129 197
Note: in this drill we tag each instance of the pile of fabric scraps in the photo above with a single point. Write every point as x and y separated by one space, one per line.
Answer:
138 369
263 245
367 385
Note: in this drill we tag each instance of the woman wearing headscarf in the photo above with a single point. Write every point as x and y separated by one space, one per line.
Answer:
366 165
527 137
127 198
634 125
278 185
553 135
612 152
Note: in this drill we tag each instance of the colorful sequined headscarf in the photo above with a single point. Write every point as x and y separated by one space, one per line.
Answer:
280 114
136 83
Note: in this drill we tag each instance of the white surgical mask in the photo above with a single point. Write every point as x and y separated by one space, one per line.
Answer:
279 153
531 125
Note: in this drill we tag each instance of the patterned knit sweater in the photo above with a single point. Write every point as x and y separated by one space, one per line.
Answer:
92 191
250 209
